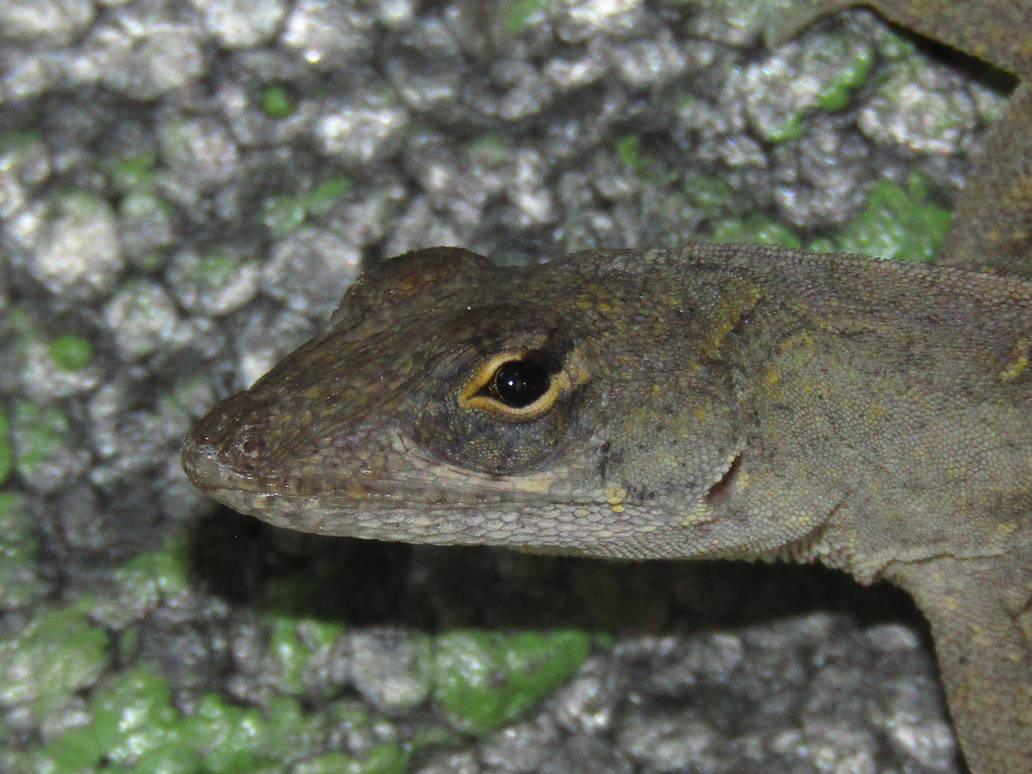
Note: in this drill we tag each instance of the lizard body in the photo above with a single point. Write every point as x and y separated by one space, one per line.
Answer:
735 401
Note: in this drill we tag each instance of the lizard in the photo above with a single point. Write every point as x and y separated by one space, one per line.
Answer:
713 401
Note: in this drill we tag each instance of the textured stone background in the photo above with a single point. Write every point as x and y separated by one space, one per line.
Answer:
186 188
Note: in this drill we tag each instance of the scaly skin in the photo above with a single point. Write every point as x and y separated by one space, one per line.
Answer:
715 401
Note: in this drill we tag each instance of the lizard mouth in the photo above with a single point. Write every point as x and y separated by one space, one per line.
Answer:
205 466
287 505
342 504
357 507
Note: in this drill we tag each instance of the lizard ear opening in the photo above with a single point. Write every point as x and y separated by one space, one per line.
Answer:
721 490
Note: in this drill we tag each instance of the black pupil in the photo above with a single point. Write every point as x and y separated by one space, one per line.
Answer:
519 383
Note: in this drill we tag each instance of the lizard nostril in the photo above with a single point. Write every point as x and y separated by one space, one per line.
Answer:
248 448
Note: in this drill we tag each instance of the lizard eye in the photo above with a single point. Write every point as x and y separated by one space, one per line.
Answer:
505 411
515 385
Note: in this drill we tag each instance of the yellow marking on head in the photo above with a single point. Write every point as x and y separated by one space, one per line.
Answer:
576 368
773 376
595 298
1006 528
614 494
1018 364
535 483
700 413
699 514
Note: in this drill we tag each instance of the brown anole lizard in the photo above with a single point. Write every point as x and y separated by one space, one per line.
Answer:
735 401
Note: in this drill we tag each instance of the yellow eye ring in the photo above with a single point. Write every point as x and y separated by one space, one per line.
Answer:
479 393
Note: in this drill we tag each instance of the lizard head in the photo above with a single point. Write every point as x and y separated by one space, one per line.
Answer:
452 401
